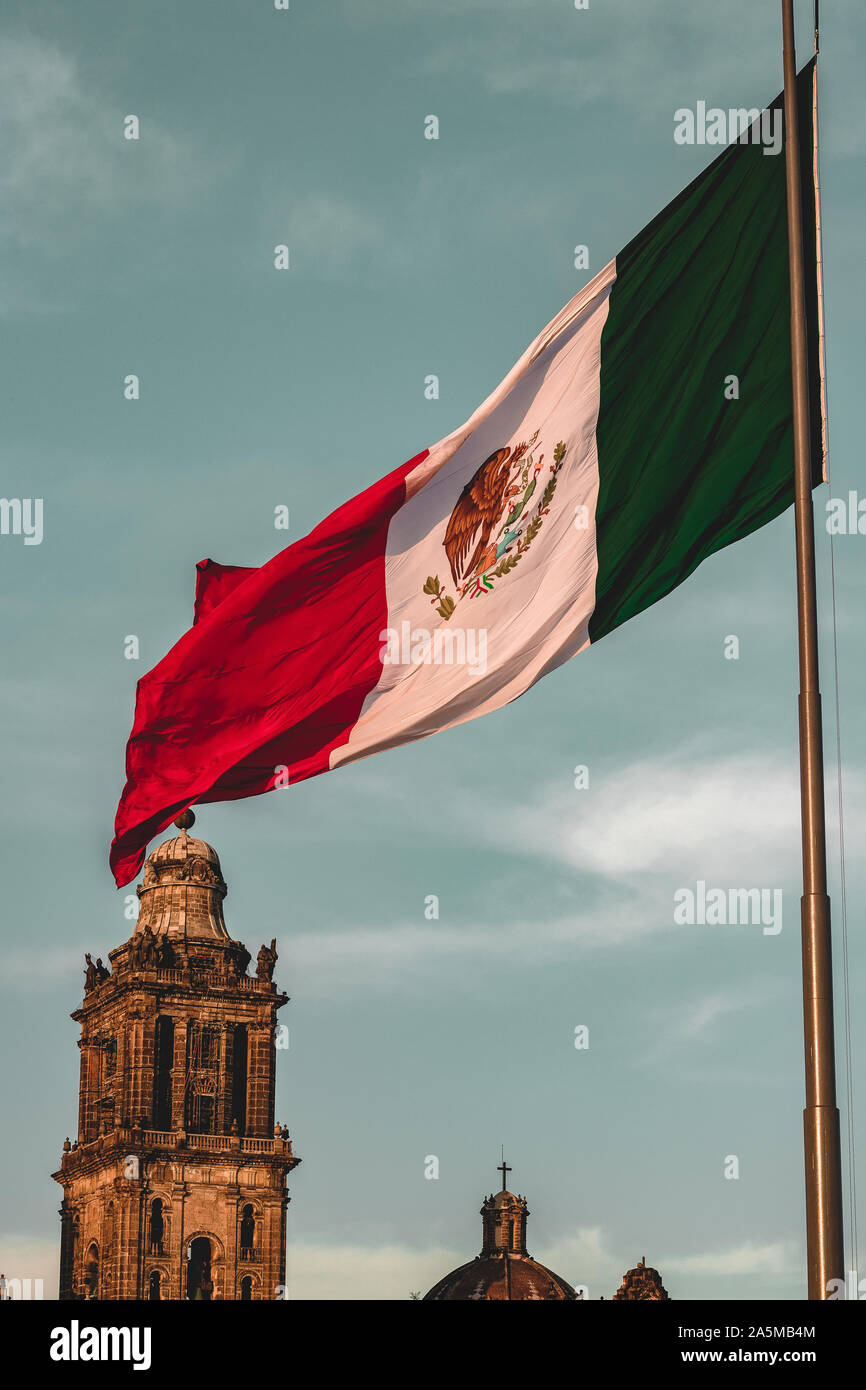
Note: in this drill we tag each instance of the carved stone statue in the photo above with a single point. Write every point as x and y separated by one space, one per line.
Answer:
148 946
102 971
90 974
267 959
243 959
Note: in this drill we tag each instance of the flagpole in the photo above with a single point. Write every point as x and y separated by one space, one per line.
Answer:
820 1118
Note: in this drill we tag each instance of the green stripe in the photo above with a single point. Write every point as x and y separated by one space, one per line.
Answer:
701 294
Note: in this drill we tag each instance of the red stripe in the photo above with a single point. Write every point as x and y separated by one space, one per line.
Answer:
213 583
274 674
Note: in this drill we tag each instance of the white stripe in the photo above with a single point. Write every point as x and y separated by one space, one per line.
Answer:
508 631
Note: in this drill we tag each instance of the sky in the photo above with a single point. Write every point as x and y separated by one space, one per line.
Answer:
261 388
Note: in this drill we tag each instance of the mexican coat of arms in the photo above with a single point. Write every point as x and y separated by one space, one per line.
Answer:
496 518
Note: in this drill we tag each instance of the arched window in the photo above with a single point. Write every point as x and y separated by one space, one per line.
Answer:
154 1290
163 1063
157 1227
199 1281
248 1232
246 1289
239 1077
91 1272
204 1064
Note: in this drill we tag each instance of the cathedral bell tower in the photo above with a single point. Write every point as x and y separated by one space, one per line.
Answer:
175 1187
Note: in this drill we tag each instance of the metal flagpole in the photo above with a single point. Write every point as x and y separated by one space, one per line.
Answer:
820 1117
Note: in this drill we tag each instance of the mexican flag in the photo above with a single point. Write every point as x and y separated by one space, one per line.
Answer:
648 425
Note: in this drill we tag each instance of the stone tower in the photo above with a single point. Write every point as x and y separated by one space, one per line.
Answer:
175 1187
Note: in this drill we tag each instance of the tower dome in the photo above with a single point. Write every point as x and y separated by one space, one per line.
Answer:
504 1270
182 893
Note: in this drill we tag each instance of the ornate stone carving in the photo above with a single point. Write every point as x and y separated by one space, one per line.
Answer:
267 959
643 1283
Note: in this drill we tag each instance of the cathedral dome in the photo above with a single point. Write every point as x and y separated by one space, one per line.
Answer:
182 848
509 1277
504 1269
182 892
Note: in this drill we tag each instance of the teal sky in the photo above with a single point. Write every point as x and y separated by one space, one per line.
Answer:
258 388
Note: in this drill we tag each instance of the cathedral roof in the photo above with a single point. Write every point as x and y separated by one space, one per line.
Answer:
183 888
182 847
504 1269
508 1277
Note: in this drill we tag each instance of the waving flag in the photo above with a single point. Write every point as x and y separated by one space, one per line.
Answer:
646 427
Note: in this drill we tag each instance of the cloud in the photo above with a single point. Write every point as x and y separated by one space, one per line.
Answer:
626 844
317 1270
633 57
339 1272
56 963
361 960
328 232
32 1257
780 1258
685 815
687 1039
698 1017
64 164
322 1271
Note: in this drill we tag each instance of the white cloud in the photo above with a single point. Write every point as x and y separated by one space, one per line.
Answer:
634 57
685 816
698 1017
360 960
322 1271
637 56
316 1271
17 972
636 835
64 160
327 231
779 1258
32 1257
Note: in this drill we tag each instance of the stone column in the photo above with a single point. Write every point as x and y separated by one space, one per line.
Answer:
88 1122
141 1041
179 1193
224 1091
178 1075
67 1249
233 1203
